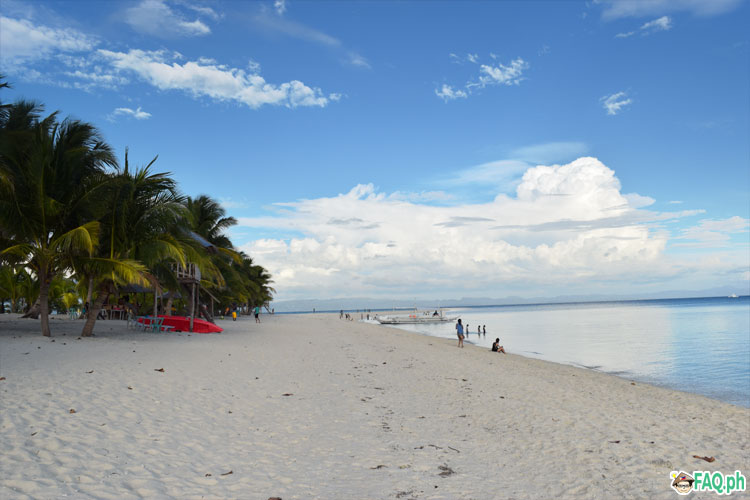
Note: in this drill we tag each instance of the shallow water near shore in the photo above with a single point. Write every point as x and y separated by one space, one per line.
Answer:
693 345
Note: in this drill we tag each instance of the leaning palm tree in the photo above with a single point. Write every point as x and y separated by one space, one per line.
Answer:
51 175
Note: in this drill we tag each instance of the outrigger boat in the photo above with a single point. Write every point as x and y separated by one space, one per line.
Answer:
415 318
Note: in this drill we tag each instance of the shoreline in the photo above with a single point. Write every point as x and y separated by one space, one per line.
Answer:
307 406
629 376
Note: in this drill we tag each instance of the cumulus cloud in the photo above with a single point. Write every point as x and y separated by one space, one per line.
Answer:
22 41
158 18
616 102
208 79
616 9
489 74
566 223
138 113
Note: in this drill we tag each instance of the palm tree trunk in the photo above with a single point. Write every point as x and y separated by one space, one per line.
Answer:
89 294
88 328
168 307
44 303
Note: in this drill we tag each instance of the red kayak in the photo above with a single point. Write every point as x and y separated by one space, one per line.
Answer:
182 324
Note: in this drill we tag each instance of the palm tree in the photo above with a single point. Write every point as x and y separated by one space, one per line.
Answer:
138 241
50 177
208 219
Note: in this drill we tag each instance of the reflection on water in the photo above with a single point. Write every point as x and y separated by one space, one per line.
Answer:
693 345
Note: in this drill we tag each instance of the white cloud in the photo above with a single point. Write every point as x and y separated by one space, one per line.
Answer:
489 75
675 202
90 80
138 114
501 175
253 66
616 102
503 75
21 41
616 9
214 81
664 23
448 93
357 60
280 6
567 224
157 18
713 233
202 10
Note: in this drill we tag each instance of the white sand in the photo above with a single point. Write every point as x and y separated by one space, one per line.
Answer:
373 413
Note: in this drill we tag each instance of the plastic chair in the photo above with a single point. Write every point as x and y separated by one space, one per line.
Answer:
156 324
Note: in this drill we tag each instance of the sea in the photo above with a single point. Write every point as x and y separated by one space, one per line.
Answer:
698 345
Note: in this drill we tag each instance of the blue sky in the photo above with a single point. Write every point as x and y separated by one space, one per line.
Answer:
430 149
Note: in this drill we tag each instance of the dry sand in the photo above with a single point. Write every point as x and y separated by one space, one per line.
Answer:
313 407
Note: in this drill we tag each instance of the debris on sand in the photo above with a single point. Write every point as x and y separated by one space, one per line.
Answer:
446 471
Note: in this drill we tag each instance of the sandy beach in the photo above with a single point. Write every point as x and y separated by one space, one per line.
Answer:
313 407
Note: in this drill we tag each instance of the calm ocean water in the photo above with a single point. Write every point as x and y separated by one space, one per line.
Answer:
693 345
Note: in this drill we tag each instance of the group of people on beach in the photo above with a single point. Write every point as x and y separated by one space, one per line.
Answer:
481 330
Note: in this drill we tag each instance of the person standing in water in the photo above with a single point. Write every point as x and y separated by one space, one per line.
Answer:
460 333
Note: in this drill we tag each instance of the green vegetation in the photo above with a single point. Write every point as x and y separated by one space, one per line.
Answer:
76 228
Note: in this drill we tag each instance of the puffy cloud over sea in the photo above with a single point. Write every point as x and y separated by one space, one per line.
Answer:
568 228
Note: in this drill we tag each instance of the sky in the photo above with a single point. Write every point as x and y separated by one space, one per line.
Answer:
426 149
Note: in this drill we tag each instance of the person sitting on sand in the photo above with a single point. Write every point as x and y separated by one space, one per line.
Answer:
496 347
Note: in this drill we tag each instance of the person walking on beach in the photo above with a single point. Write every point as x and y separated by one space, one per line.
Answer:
257 314
460 332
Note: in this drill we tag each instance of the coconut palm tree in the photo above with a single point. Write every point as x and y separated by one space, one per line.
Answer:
137 241
208 219
51 176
